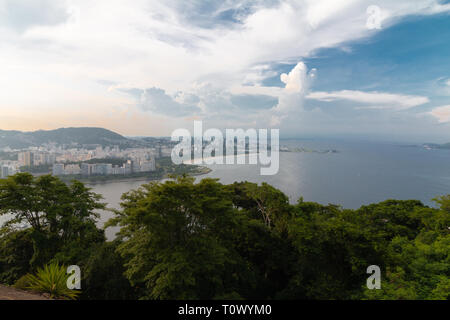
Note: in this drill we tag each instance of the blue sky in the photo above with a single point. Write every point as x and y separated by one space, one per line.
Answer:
407 57
308 67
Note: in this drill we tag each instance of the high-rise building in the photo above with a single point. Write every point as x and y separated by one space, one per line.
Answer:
4 172
127 166
43 158
147 165
87 169
103 169
26 158
135 166
72 169
159 151
48 158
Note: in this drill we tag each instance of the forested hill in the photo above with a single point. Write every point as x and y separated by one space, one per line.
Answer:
86 135
438 146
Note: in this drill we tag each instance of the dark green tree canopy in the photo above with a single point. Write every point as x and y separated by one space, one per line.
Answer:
207 240
60 217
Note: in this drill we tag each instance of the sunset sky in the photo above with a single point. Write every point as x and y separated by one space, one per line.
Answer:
308 67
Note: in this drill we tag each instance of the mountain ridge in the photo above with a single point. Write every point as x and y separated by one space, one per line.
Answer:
71 135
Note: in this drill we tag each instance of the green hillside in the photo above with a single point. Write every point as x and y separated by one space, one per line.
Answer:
86 135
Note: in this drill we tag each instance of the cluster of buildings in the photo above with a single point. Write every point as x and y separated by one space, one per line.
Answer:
8 168
77 161
50 154
104 169
29 158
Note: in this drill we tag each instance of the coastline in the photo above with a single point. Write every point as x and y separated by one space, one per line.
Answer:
114 178
90 181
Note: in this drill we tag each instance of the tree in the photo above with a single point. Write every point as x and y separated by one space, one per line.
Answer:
16 251
61 217
263 202
419 267
444 202
103 275
179 240
335 246
206 240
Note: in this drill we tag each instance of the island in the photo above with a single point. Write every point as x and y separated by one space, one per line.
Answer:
436 146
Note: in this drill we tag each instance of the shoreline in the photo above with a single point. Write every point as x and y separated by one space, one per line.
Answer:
143 178
114 178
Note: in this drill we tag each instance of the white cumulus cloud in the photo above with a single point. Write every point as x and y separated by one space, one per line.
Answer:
374 100
296 79
442 114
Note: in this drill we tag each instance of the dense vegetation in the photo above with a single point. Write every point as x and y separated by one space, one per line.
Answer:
206 240
68 136
43 168
51 279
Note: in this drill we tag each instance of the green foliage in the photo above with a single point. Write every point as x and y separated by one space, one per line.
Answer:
264 203
43 168
181 240
51 279
422 263
103 275
405 238
16 251
67 136
167 168
61 217
444 202
23 282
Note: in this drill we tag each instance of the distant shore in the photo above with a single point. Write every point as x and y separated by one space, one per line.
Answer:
114 178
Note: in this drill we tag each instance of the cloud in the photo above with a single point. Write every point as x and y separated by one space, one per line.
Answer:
297 83
373 100
23 14
159 102
295 80
206 102
441 113
256 90
218 13
254 102
124 43
290 98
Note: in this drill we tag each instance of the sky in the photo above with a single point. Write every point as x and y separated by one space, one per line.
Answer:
328 68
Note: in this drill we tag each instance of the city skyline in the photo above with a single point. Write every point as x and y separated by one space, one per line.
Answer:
310 68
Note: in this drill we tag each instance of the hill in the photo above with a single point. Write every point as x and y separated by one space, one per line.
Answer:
67 136
437 146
